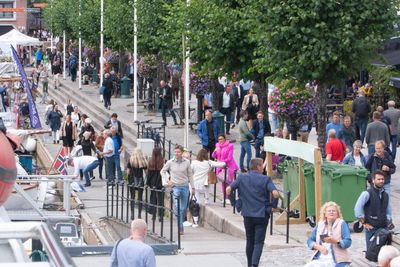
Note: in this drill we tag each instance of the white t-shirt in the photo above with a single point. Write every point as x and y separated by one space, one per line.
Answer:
109 145
357 160
81 163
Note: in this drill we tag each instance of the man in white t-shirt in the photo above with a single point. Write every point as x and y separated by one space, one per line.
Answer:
109 156
86 164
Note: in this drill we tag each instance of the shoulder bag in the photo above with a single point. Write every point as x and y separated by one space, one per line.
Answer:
212 177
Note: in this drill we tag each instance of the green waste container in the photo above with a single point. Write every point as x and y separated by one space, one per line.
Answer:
343 184
125 87
290 175
219 117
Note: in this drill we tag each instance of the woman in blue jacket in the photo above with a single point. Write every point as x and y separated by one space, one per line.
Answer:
355 158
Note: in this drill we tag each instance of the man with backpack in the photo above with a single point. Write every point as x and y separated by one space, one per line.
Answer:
73 66
373 209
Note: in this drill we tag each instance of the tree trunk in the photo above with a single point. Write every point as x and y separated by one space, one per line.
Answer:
182 99
321 99
215 88
261 90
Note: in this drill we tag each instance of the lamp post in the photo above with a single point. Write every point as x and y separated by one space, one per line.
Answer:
135 93
101 41
187 82
64 57
80 51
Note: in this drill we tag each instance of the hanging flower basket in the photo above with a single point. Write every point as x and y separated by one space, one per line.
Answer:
199 85
295 105
147 66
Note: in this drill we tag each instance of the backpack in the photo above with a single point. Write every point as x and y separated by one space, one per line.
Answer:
380 238
74 63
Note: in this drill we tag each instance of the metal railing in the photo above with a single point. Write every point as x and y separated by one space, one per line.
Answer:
125 202
55 252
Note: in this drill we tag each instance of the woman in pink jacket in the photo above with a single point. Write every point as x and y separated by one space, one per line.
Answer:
224 153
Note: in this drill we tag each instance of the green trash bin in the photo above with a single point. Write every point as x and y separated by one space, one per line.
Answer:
290 175
125 87
343 185
308 171
219 117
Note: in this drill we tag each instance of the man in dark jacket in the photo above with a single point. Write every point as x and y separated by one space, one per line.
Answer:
208 132
261 128
166 103
361 108
108 87
372 208
116 123
238 96
255 191
381 160
227 104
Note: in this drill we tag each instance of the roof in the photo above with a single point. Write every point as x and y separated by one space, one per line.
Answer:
5 28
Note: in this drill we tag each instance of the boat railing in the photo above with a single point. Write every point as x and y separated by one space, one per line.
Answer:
55 252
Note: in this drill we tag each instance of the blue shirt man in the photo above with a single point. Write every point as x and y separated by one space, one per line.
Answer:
254 193
335 124
117 151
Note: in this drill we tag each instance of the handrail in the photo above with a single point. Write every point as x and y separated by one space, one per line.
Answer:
35 230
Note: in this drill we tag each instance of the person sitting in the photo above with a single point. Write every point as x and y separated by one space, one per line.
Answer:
386 254
330 239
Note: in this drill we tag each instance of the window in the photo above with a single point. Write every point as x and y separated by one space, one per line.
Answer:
7 15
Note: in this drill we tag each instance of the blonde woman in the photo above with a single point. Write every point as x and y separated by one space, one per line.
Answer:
330 239
136 166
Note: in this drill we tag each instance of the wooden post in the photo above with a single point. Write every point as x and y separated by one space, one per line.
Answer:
302 193
318 181
269 164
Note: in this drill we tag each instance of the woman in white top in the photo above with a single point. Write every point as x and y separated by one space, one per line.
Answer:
75 116
200 168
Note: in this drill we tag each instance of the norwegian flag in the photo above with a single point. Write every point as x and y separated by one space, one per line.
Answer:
60 163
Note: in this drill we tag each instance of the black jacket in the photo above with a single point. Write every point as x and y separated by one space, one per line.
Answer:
256 128
361 108
168 97
375 163
108 85
235 92
109 124
231 100
375 208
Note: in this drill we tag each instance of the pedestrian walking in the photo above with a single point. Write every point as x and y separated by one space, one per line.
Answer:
200 168
208 132
238 95
261 128
69 107
86 126
73 66
381 160
335 148
154 182
166 102
54 119
44 76
99 144
114 122
180 176
245 137
86 164
355 157
39 57
376 130
334 124
108 87
255 190
372 208
133 251
136 166
347 133
394 115
226 102
23 108
251 104
330 239
223 152
108 154
56 69
361 108
68 134
75 116
118 148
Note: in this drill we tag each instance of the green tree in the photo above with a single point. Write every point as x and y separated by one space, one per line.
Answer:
59 17
323 40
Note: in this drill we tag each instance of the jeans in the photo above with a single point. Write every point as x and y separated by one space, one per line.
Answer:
110 169
393 140
101 163
362 126
183 193
90 168
227 112
73 74
118 167
245 148
255 236
387 189
371 150
257 144
107 100
274 121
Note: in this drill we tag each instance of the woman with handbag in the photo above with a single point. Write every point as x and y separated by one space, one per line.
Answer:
154 181
201 167
251 104
136 166
224 153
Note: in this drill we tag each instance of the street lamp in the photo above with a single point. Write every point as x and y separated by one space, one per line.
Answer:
101 41
80 49
187 82
135 93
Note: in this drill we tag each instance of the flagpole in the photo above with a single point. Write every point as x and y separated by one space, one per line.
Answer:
64 56
187 82
135 93
101 41
80 51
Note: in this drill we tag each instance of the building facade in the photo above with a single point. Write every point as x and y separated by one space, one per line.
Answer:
17 19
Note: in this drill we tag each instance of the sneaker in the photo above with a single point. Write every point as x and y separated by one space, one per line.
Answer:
227 202
92 178
87 185
121 183
195 225
187 224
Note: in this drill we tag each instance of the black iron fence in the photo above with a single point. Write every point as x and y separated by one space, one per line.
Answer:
127 202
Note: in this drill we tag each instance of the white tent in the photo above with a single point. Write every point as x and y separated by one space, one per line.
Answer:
14 38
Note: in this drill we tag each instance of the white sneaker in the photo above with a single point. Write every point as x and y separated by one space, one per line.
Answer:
195 225
206 202
227 202
187 224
